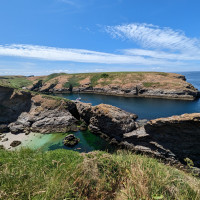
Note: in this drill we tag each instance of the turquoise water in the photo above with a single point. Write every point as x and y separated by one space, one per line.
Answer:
146 108
46 142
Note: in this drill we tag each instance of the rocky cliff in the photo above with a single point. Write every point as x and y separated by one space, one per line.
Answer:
130 84
174 138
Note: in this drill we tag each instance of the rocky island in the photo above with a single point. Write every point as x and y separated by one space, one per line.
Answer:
128 84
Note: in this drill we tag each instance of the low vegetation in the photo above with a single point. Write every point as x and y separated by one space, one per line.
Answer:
150 84
63 174
15 81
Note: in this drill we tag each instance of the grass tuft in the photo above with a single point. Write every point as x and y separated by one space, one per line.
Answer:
64 174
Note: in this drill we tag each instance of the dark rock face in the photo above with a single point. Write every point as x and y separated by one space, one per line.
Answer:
12 104
15 143
71 140
179 134
37 86
174 138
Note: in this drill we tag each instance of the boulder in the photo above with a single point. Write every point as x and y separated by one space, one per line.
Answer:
15 143
49 121
70 140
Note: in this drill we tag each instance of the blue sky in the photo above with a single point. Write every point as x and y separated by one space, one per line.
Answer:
46 36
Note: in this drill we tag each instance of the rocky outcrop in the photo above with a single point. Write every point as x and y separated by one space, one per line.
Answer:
45 121
179 134
174 138
106 119
24 112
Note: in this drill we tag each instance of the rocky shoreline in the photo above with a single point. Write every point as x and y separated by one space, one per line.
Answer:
173 138
147 85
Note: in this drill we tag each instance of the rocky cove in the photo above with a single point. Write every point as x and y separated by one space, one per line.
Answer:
173 138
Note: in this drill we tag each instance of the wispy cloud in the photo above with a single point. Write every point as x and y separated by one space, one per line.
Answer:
150 36
159 43
74 55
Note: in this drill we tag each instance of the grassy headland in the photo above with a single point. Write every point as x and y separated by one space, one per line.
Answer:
63 174
62 80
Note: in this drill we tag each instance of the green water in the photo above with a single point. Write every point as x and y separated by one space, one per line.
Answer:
46 142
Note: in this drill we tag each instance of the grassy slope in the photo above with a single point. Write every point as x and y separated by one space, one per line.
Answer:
15 81
62 174
147 79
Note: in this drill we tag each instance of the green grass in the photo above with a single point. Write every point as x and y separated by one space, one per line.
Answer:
150 84
63 174
15 81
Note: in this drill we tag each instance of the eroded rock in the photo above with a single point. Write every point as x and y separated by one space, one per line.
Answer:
106 119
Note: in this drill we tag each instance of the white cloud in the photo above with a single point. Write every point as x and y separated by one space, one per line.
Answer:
150 36
162 54
74 55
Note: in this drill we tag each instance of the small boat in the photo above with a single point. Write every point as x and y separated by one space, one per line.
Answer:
78 99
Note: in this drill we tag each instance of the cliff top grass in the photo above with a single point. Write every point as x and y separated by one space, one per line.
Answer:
120 79
160 80
64 174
